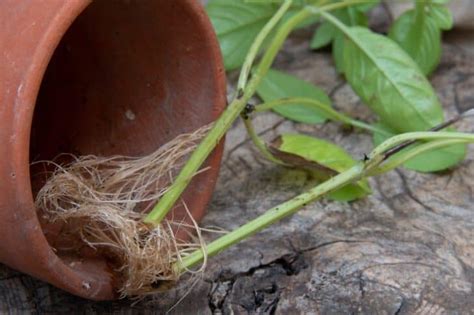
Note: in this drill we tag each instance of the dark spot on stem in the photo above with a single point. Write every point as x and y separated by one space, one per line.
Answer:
248 109
240 93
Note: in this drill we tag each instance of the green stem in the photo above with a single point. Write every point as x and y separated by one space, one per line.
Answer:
421 135
259 143
330 112
271 216
199 155
274 48
406 156
257 44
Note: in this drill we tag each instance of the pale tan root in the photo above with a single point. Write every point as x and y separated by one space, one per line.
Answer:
109 196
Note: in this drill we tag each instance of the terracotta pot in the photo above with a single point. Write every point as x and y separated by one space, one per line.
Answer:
108 77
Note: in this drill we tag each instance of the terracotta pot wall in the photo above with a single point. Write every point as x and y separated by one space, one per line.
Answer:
111 77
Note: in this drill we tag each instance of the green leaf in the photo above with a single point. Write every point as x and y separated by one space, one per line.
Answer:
442 16
277 85
323 36
350 192
350 16
390 82
325 155
431 161
338 52
237 24
420 37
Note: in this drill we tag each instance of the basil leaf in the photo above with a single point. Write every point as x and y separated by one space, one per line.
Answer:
418 32
237 24
420 37
326 156
431 161
277 85
389 82
442 16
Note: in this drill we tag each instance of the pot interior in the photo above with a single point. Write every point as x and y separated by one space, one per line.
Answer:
127 77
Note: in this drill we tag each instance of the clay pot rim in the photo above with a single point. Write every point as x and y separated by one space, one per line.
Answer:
29 89
21 125
24 108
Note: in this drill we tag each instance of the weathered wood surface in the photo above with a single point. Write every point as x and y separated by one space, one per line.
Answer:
406 249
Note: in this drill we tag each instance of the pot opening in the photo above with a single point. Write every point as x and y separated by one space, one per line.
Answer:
127 77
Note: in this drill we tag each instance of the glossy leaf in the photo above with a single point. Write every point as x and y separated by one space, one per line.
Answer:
390 82
325 156
431 161
277 85
237 24
418 32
